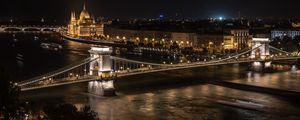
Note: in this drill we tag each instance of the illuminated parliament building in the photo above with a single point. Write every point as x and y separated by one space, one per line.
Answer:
85 25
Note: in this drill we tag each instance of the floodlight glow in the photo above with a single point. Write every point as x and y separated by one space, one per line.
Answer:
100 49
261 39
221 18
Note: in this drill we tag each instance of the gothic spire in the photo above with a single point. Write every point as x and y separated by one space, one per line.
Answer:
84 8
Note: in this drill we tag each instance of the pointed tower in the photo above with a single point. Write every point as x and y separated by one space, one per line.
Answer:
84 8
72 24
93 19
73 17
84 13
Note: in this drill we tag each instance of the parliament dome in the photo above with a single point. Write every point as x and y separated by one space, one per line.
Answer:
84 14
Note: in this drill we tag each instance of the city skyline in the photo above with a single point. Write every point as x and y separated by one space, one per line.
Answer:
149 59
60 9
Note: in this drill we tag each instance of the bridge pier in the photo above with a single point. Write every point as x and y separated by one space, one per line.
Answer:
294 68
298 62
102 87
261 66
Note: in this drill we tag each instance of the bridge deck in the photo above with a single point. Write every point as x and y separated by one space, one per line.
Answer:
125 73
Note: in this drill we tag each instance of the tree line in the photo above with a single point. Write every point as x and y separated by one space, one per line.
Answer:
11 108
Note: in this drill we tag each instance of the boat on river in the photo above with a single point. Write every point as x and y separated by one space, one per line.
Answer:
51 46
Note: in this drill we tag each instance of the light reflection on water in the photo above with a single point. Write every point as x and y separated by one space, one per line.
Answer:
199 101
282 80
26 58
192 102
202 101
177 96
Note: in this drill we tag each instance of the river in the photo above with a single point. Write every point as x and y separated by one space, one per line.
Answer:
179 94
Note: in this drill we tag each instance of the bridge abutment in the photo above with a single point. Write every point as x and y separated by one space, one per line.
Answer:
261 66
294 69
102 87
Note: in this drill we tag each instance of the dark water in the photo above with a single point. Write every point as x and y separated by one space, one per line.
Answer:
180 94
23 56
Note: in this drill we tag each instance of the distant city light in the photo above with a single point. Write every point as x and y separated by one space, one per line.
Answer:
221 18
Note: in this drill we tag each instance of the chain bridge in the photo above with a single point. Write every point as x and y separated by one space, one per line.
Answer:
100 69
28 29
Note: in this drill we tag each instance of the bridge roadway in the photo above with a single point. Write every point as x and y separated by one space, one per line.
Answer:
70 67
150 70
104 42
37 83
28 29
57 72
54 29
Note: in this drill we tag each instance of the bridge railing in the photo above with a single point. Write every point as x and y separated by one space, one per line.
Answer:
139 62
279 50
151 67
56 72
162 66
57 82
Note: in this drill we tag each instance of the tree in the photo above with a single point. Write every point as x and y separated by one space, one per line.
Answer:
12 109
174 46
87 114
69 112
291 46
150 45
9 97
141 44
297 42
205 51
276 42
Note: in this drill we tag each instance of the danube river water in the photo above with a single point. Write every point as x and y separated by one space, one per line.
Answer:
180 95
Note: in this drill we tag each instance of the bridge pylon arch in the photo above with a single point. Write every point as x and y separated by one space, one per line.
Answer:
101 61
261 46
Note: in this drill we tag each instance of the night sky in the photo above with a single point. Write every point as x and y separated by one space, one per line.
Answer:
60 9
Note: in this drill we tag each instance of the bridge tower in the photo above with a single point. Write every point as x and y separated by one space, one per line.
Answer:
262 52
263 48
102 63
101 66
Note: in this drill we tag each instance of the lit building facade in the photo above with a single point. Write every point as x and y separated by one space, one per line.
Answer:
148 36
184 39
296 25
237 39
232 39
85 25
282 33
210 42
